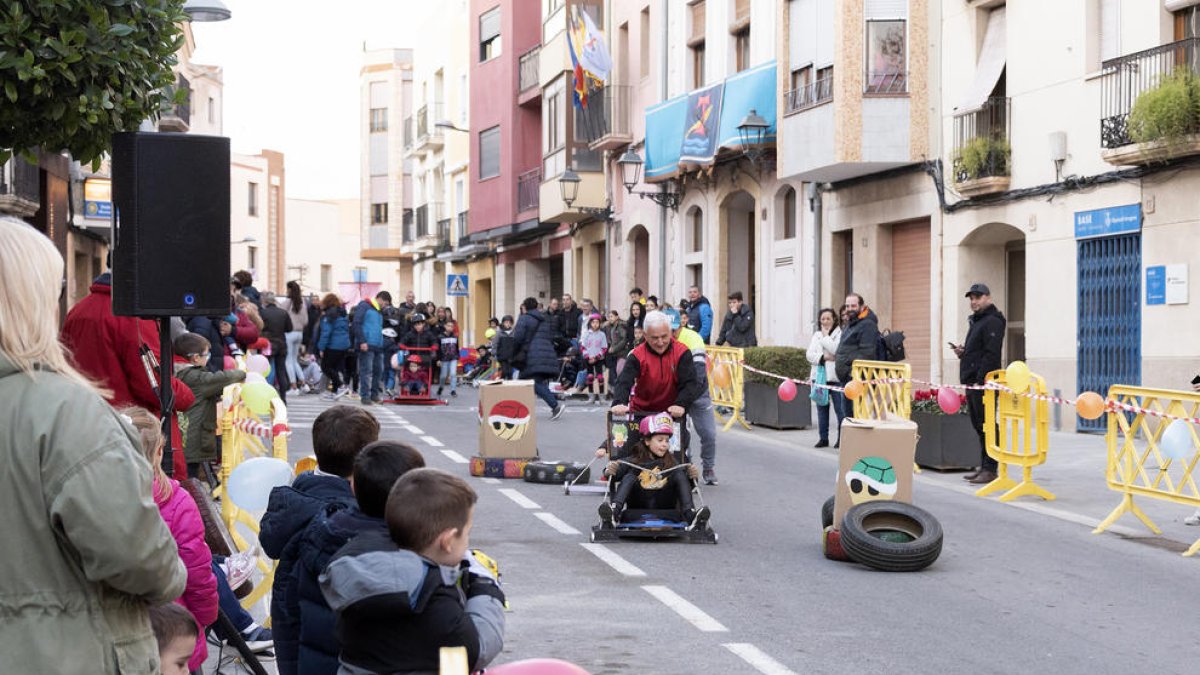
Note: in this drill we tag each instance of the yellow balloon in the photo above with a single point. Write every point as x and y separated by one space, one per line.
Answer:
720 376
1017 376
854 389
1089 405
258 397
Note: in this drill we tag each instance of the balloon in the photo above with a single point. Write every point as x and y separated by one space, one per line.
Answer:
1017 376
854 389
257 363
250 483
396 361
1089 405
720 376
538 667
258 397
1176 441
787 390
255 377
948 400
230 364
489 333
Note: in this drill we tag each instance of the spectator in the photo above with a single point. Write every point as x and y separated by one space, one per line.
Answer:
700 313
637 314
200 443
978 355
738 327
860 336
651 303
617 333
593 346
368 338
822 354
243 283
701 409
314 320
176 632
86 551
586 310
333 341
297 311
277 323
448 358
209 328
535 357
636 294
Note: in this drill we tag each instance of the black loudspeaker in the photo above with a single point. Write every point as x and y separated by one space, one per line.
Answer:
170 224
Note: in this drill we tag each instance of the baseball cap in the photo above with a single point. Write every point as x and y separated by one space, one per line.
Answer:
978 289
673 316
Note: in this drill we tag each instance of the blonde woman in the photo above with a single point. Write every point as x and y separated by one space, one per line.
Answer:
87 551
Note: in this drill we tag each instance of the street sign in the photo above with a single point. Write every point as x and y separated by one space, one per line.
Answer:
456 285
1109 221
1156 285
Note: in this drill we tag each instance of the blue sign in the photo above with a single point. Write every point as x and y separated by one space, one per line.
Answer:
456 285
1156 285
97 209
1109 221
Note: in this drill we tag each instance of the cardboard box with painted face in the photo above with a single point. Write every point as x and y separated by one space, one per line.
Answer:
507 423
875 463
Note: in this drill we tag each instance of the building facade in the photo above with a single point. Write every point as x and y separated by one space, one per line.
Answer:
258 218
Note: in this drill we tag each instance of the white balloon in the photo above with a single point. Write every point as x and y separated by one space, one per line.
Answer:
250 483
1176 441
255 377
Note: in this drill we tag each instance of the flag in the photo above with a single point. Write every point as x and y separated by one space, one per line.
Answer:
578 80
593 53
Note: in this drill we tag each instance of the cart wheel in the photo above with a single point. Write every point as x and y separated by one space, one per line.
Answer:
592 537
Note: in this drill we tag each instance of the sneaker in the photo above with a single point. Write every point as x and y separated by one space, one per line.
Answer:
822 444
341 392
453 393
367 401
558 412
710 477
607 515
700 518
258 638
305 389
239 567
439 391
1193 519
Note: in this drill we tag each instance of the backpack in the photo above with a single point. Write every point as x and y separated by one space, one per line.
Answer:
890 346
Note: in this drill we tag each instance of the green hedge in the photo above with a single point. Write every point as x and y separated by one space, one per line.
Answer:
788 361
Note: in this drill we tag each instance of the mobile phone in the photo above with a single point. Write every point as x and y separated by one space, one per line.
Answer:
1196 379
954 346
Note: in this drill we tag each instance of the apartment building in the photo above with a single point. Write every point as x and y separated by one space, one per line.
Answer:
258 218
323 253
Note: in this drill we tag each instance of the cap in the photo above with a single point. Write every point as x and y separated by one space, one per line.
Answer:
978 289
658 423
673 316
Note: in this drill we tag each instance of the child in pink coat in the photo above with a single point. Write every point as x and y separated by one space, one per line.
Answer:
179 511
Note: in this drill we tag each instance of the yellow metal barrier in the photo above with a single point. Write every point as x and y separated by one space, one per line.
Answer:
882 398
1017 432
733 395
1136 463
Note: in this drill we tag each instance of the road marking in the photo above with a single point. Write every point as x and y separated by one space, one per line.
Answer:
455 457
621 565
691 613
414 430
432 441
492 481
555 522
757 658
520 499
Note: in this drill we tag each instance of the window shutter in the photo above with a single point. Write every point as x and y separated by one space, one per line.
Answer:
741 10
1110 29
489 25
803 29
886 9
698 14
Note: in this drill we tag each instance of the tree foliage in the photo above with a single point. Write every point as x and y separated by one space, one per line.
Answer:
73 72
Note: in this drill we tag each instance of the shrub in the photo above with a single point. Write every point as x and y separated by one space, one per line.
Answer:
925 401
787 361
1168 111
981 157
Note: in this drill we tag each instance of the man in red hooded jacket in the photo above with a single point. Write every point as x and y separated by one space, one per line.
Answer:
106 348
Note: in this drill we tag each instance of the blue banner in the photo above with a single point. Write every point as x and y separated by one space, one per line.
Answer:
97 209
1156 285
752 89
1109 221
664 136
699 144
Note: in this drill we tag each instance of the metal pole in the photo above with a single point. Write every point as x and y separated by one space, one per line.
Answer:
166 395
662 188
818 210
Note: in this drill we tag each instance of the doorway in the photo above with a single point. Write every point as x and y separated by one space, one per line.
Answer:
740 238
1109 317
639 239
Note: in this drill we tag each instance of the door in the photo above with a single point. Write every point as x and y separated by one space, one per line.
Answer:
911 292
1109 328
556 277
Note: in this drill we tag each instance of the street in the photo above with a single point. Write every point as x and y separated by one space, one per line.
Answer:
1018 588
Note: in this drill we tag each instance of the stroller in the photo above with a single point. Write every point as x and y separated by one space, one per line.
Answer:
638 521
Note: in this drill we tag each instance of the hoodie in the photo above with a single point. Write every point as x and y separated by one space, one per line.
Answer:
700 317
334 330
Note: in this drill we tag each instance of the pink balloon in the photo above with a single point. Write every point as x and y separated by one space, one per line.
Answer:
787 390
230 364
948 400
538 667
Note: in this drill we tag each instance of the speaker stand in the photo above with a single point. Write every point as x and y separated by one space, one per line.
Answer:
166 393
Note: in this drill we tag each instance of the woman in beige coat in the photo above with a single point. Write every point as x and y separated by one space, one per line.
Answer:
85 551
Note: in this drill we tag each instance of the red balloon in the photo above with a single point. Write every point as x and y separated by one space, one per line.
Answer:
230 364
787 390
948 400
538 667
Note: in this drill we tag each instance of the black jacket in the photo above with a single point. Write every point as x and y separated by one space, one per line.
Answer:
570 321
423 341
981 349
276 323
289 512
207 328
312 327
738 329
534 335
859 342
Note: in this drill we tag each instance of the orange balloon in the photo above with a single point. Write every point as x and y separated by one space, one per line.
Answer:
1090 405
720 376
854 389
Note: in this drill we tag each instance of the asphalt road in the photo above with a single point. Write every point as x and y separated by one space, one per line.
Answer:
1015 590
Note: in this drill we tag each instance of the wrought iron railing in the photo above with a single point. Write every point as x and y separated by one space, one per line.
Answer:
607 112
810 95
461 224
1127 77
885 82
529 185
428 216
427 118
981 141
408 225
528 68
20 179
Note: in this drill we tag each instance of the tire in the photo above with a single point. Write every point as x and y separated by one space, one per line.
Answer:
863 524
827 513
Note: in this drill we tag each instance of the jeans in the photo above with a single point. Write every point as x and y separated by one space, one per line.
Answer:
700 412
227 601
279 369
449 371
370 373
389 374
838 405
295 373
541 387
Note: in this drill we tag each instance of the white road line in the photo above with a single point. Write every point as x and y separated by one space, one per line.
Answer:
621 565
555 522
455 457
757 658
691 613
520 499
492 481
432 441
414 430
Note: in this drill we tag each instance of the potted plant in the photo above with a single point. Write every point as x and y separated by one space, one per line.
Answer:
762 403
1163 123
944 441
982 166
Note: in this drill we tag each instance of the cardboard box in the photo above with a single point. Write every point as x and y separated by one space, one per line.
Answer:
875 463
507 423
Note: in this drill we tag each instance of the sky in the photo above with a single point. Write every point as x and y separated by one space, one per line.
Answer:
291 81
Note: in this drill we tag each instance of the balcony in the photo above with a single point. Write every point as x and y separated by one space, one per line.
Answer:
443 236
1147 111
177 116
528 185
427 233
20 188
809 95
982 158
408 134
529 88
605 121
428 136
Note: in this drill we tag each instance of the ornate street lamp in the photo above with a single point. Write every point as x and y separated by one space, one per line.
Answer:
206 10
631 165
752 131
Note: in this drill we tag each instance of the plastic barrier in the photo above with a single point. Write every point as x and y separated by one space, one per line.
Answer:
1138 463
1016 432
887 389
731 396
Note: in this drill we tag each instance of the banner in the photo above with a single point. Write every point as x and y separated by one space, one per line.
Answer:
699 144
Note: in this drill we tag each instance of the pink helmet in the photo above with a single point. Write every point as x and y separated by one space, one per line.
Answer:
658 423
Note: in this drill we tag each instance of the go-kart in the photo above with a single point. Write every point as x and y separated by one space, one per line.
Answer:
415 386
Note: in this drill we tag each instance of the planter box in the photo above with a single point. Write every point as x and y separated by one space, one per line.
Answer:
763 406
946 441
982 186
1137 154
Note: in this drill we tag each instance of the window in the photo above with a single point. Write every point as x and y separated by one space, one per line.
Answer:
644 39
212 110
697 227
809 89
379 214
1187 23
788 205
1110 29
489 153
554 121
252 199
696 44
695 276
489 35
887 57
251 259
741 49
326 278
698 65
379 121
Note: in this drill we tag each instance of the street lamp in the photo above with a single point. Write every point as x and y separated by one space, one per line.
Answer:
206 10
245 240
447 124
753 132
631 165
568 189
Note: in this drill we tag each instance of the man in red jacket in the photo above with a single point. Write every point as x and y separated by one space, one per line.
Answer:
658 376
106 348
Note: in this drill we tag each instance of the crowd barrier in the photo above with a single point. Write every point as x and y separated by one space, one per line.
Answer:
1016 429
887 389
731 396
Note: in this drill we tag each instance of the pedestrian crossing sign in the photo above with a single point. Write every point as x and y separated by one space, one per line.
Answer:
456 285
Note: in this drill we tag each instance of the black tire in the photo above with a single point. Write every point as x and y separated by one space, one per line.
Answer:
827 513
863 523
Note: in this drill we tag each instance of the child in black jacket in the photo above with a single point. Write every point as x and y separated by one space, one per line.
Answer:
650 477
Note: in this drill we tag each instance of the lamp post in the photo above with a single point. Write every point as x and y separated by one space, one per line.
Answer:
568 188
450 126
631 165
200 11
752 132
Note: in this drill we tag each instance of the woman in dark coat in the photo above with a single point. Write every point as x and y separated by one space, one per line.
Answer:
536 358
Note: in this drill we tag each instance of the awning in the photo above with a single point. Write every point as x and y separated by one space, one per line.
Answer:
990 65
664 135
1176 5
752 89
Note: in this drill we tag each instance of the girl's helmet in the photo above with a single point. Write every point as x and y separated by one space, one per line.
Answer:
595 317
658 423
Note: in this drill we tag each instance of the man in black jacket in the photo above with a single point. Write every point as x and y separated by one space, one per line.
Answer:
569 317
978 355
738 327
276 325
859 340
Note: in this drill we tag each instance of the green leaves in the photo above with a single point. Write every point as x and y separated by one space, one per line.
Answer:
120 29
1169 111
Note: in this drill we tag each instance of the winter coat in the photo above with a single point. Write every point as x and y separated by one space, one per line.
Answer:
245 333
106 348
569 320
299 319
327 533
277 323
86 552
395 609
534 334
618 335
182 517
368 325
820 344
593 345
208 328
859 341
312 328
290 509
422 341
251 293
982 348
652 382
199 424
700 317
738 329
335 330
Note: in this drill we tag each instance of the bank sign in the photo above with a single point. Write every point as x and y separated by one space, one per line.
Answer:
1108 222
